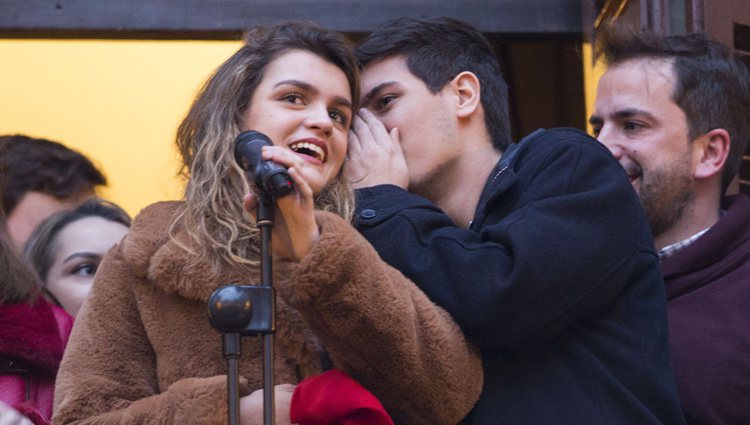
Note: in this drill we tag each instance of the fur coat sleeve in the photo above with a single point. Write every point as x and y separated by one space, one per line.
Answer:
381 329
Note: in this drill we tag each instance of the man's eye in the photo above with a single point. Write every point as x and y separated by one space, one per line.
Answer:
385 101
632 125
596 130
294 98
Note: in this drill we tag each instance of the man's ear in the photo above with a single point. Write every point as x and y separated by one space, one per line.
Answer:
710 152
467 89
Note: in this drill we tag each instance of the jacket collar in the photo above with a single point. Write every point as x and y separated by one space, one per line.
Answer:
153 255
723 243
503 177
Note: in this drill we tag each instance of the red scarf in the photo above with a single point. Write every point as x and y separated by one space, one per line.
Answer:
35 333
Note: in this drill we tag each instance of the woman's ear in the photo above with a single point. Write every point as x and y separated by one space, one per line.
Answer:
710 152
467 90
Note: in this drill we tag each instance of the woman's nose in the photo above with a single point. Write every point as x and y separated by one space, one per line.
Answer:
318 118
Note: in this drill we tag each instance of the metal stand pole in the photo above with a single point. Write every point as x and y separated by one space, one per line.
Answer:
265 223
242 310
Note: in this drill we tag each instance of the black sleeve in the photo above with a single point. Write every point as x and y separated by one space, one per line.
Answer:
563 247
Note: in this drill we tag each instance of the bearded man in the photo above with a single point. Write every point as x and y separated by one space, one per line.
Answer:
674 111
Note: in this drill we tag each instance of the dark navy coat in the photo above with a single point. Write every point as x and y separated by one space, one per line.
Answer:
556 281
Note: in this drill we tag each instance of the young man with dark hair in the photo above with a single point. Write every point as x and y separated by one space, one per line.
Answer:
539 249
42 177
675 112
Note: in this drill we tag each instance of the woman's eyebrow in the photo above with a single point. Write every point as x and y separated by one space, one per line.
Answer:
87 255
342 101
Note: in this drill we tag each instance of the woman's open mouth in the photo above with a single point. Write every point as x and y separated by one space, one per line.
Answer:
309 148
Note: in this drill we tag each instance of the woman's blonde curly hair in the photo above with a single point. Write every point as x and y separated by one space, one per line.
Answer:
212 216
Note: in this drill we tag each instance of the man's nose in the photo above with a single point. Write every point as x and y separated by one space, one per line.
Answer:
607 138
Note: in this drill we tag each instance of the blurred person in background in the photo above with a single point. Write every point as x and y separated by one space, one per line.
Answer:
66 249
33 334
40 178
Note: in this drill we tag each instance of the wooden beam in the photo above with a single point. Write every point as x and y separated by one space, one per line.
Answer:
227 18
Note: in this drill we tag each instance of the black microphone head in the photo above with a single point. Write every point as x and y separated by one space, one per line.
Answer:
267 175
248 147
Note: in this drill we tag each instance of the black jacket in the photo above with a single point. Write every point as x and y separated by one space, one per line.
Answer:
556 281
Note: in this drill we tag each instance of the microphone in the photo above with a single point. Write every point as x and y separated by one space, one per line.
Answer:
269 176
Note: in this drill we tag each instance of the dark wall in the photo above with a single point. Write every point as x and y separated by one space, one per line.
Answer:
215 18
546 83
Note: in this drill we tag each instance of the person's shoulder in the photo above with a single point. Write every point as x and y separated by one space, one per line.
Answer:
556 143
155 218
738 201
562 138
736 216
150 231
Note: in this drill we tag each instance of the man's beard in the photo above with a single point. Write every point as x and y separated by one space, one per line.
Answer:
666 194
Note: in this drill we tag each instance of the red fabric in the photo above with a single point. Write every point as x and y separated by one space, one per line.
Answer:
32 413
34 335
334 398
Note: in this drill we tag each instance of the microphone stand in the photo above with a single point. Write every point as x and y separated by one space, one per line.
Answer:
240 310
265 213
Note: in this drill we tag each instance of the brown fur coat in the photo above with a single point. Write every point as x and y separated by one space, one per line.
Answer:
143 352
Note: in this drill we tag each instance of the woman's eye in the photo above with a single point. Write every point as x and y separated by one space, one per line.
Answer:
595 131
339 117
294 98
85 269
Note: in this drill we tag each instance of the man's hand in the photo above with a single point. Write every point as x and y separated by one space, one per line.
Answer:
375 156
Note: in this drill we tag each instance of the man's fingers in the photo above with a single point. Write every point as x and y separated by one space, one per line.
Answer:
382 138
363 133
372 129
354 147
396 137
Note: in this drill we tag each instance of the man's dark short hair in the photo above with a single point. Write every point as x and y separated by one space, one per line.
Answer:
436 50
712 87
39 165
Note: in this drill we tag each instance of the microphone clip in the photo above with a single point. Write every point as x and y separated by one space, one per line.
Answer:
244 309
